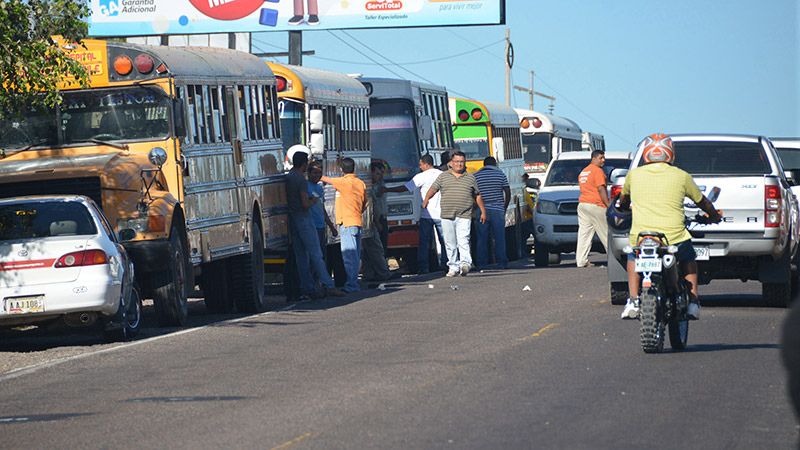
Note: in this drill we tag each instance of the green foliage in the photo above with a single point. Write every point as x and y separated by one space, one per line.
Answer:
31 63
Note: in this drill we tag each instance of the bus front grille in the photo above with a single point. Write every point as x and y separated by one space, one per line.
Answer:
89 187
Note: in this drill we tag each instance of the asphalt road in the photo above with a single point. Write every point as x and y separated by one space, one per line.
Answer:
474 362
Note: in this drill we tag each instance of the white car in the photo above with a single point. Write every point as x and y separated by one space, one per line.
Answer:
60 262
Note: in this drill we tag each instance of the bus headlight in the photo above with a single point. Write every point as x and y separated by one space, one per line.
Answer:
157 156
139 225
400 209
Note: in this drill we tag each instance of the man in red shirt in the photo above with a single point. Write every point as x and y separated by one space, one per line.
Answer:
592 206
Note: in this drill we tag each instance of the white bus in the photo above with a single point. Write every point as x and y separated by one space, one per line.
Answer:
543 137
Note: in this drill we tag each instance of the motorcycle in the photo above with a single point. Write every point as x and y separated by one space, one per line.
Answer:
664 293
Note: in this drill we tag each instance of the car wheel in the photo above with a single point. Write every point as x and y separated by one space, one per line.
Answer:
541 255
127 323
619 293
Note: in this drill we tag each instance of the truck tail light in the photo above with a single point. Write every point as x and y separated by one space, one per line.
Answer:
82 258
772 206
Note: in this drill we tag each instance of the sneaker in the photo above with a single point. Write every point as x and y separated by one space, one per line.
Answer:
452 273
693 311
631 310
335 292
297 20
464 270
313 20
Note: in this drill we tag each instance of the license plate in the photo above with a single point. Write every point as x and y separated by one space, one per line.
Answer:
24 305
648 265
702 253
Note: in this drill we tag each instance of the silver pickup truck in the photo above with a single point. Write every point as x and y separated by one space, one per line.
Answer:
758 236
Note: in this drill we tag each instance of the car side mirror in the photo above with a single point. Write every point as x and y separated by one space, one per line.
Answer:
126 234
790 177
533 183
616 174
315 120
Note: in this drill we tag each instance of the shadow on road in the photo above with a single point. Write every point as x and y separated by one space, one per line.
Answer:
732 300
722 347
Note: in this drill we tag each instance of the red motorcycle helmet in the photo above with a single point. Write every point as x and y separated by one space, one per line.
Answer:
658 148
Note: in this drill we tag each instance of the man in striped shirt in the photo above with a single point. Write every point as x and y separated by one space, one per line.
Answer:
496 194
459 193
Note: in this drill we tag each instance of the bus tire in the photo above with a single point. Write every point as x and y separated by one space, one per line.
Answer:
246 275
215 287
169 295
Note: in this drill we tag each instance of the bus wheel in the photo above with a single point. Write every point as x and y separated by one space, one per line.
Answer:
246 275
215 287
169 295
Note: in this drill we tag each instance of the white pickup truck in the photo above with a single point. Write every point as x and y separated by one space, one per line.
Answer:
758 236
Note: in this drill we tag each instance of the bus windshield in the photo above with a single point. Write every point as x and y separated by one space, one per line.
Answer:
536 148
120 114
393 138
291 115
473 140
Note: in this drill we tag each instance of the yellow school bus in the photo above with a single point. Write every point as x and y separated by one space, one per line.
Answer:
181 150
326 114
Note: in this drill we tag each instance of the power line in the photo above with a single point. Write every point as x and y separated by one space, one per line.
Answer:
560 95
365 55
396 64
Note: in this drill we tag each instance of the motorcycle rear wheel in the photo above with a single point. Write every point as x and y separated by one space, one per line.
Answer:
651 331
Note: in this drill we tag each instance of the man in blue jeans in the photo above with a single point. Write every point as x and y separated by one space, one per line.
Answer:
430 219
305 243
496 193
349 210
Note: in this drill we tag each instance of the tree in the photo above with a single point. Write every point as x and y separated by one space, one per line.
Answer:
32 64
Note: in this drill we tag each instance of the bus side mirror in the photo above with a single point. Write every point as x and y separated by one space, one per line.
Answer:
179 118
425 128
498 149
315 120
317 144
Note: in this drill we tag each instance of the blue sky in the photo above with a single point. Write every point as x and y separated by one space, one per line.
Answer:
623 68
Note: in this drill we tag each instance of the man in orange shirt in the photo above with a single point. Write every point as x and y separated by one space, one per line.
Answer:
592 206
349 208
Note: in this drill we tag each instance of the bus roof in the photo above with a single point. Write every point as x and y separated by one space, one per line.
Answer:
196 63
395 87
499 115
320 86
557 125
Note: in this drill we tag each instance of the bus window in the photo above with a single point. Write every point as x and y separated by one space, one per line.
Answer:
291 116
120 114
393 138
571 145
536 148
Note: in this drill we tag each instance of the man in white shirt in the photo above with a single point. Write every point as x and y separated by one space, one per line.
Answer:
430 218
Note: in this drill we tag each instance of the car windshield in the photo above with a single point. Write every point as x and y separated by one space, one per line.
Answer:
565 172
790 158
393 138
291 115
721 158
33 220
121 114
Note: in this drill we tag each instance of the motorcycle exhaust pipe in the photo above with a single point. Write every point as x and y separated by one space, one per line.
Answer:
670 270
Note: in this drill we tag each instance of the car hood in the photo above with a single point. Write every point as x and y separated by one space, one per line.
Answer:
560 193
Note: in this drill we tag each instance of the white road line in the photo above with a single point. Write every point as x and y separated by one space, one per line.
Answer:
47 364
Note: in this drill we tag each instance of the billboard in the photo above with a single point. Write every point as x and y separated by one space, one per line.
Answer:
116 18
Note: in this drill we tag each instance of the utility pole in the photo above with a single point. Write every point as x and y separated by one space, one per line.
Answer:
531 92
509 65
296 48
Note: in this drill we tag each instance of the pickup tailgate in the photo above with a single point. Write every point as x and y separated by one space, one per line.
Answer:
740 198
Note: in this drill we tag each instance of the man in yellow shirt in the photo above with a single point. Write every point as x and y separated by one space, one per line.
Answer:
349 208
656 191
